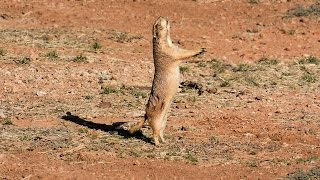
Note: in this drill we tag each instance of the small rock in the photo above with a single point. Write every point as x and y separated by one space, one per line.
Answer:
41 93
136 163
258 98
105 105
212 90
2 115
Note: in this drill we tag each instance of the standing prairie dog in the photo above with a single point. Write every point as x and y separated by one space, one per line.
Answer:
167 58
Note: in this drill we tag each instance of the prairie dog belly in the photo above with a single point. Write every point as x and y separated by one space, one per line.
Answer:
167 81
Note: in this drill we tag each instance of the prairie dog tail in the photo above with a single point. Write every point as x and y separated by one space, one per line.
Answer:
136 127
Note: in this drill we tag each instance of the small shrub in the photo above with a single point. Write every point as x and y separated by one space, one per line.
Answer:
225 83
291 32
7 121
253 1
252 81
253 163
243 68
96 46
213 140
24 60
310 60
52 55
217 66
80 58
300 174
301 11
109 90
201 64
88 97
309 78
267 61
184 69
2 52
191 157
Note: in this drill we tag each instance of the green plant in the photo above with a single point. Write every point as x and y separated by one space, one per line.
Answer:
291 32
253 1
217 66
253 163
267 61
88 97
109 90
7 121
301 11
201 64
24 60
310 60
80 58
213 140
191 157
96 45
184 69
300 174
225 83
2 52
52 55
252 81
310 78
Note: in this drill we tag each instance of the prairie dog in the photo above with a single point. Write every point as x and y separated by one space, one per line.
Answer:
167 58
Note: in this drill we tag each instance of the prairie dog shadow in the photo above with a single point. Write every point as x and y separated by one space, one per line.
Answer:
112 129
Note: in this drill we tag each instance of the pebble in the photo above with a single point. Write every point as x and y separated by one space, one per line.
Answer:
2 115
41 93
105 105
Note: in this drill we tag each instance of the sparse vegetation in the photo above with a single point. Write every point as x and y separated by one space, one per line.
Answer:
225 83
301 11
253 1
243 68
80 58
88 97
309 78
2 52
300 174
23 60
217 66
267 61
138 94
96 46
184 69
123 37
7 121
110 90
52 55
310 60
253 163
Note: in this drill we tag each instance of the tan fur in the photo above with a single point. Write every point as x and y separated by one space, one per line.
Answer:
167 58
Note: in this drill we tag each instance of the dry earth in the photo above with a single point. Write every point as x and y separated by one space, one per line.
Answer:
76 74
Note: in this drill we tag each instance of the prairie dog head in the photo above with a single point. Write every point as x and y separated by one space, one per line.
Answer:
161 29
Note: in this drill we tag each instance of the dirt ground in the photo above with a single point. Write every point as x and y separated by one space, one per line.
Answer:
76 74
